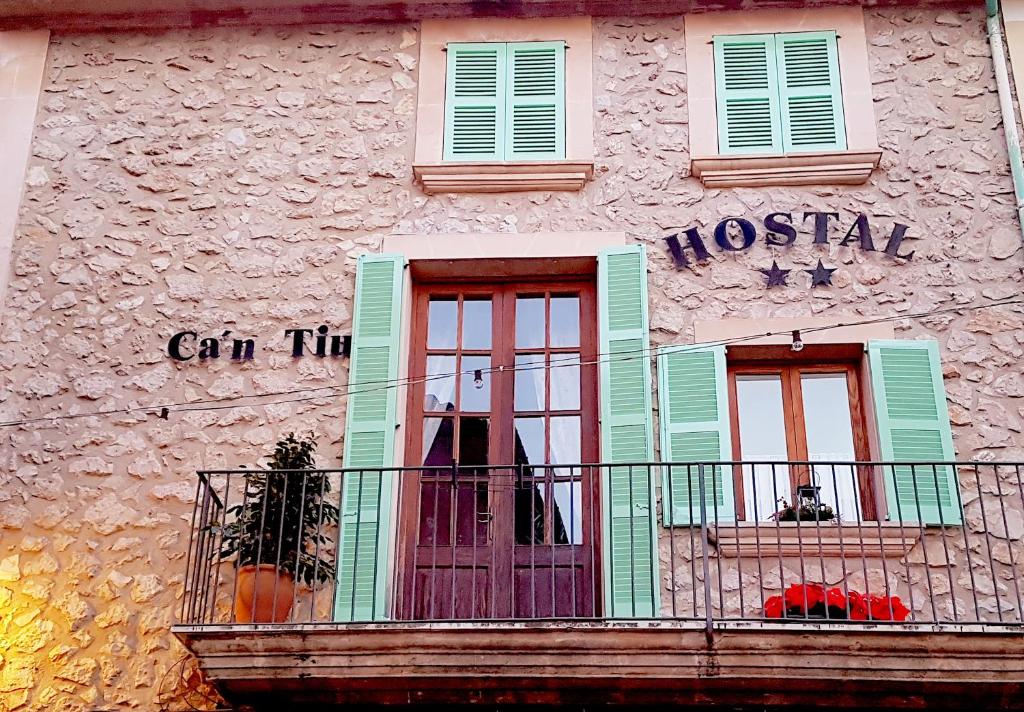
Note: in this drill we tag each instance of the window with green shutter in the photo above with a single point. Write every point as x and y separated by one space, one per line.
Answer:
913 427
369 440
779 93
505 101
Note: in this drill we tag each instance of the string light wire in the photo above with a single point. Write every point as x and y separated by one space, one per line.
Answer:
227 402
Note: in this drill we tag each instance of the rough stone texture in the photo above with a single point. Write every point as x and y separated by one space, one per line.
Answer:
228 179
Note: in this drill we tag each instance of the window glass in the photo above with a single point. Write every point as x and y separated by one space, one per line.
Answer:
565 321
530 325
829 431
476 324
762 424
442 323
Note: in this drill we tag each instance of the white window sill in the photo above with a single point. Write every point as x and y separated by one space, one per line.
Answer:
769 540
825 168
502 176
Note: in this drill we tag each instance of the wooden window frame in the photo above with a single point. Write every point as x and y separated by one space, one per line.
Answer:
790 370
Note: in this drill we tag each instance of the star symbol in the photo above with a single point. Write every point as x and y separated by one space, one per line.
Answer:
776 277
821 276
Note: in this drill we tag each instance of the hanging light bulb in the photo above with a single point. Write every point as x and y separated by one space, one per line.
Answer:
798 344
478 379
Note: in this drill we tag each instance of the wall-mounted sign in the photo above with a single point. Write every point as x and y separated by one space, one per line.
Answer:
187 345
779 230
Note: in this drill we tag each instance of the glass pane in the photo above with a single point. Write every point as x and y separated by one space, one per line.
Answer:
762 437
471 506
476 391
476 324
529 382
529 322
565 441
565 382
438 441
529 443
442 323
829 429
568 512
565 321
439 391
472 442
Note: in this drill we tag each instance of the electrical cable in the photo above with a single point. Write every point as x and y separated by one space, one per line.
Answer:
227 402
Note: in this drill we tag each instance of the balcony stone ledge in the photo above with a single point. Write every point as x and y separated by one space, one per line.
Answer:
825 168
866 666
502 176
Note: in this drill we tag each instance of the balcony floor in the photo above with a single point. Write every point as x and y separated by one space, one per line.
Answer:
744 665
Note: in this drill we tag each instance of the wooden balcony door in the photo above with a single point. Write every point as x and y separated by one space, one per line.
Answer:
499 520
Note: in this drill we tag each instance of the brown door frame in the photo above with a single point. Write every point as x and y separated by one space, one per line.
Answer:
501 433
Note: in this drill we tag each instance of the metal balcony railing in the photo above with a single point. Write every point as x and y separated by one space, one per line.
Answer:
932 543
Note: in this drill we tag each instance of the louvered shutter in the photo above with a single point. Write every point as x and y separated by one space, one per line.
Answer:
747 94
535 125
630 543
475 102
913 427
694 420
369 440
810 91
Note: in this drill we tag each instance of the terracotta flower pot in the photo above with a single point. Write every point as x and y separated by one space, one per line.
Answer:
264 594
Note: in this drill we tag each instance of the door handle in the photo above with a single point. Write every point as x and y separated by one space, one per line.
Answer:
484 517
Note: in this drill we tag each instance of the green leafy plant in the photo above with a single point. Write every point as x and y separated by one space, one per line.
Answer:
283 515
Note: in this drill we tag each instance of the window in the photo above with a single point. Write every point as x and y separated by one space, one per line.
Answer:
505 101
799 412
780 97
505 104
779 93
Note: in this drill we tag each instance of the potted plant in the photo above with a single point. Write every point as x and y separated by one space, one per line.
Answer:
809 509
812 600
276 533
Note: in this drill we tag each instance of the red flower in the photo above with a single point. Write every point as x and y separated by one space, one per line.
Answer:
800 598
834 598
773 607
888 608
858 606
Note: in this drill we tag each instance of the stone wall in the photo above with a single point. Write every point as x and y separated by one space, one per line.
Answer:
227 180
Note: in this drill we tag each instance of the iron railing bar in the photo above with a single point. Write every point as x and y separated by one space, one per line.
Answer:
709 630
988 546
190 592
1006 530
945 544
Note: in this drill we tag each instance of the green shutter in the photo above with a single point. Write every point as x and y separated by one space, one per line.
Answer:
694 420
810 91
474 122
369 439
629 527
535 125
913 426
747 94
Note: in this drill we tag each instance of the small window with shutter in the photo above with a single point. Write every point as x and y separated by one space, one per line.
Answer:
779 93
505 101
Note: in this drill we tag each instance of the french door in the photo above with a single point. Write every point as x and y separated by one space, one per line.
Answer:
499 518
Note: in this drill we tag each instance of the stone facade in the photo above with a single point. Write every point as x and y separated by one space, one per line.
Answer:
226 180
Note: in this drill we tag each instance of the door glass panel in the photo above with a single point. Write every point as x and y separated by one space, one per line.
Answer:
476 324
762 437
529 382
439 390
568 511
829 429
530 322
565 321
565 382
442 323
438 441
475 390
471 503
529 444
565 441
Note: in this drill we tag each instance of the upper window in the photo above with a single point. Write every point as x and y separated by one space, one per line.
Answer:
505 104
780 97
779 93
505 101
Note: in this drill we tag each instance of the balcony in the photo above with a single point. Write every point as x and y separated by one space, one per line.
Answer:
876 585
